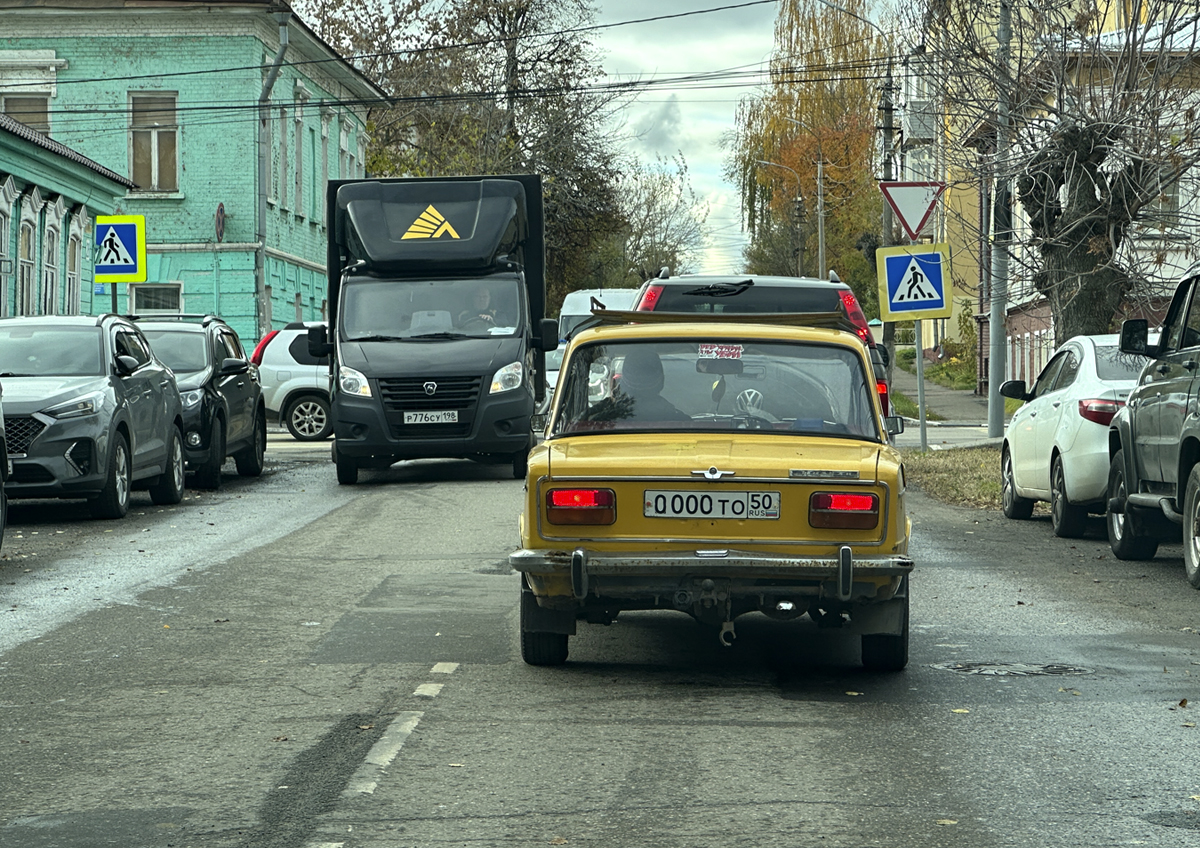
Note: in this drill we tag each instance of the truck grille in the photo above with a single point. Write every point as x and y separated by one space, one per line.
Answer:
19 433
401 394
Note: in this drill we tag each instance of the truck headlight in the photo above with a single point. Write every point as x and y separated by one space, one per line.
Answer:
191 398
507 378
88 404
353 382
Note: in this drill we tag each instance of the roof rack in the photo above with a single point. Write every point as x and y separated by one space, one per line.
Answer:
837 320
205 318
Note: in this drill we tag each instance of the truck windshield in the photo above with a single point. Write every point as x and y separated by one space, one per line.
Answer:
380 310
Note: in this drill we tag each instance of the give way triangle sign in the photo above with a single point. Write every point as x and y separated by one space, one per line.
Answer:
913 203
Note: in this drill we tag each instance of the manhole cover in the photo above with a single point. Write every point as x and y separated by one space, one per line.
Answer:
1001 669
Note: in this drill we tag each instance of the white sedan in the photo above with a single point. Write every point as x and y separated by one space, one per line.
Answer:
1056 445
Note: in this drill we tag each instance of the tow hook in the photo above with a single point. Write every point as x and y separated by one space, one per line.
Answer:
726 636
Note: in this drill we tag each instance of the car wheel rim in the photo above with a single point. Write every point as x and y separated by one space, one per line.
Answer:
1007 494
1057 495
122 481
1193 541
309 419
260 439
1116 520
177 463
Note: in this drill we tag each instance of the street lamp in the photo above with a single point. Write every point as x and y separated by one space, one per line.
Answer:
799 234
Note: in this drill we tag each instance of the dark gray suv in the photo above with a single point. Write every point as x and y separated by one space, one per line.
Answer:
89 412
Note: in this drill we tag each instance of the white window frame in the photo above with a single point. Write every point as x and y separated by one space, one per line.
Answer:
155 132
8 198
298 188
326 115
51 251
137 291
283 157
28 252
27 95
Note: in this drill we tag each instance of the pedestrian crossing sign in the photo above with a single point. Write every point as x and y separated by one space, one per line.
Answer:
912 282
120 249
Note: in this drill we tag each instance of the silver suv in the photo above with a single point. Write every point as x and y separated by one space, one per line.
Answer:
295 384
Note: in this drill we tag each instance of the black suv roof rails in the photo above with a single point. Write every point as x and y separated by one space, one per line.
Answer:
205 318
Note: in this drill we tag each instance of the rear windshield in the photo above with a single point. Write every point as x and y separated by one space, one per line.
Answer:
39 350
183 352
1111 364
716 384
738 298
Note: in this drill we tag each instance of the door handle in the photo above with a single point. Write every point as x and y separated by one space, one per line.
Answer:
1189 364
1163 368
1057 404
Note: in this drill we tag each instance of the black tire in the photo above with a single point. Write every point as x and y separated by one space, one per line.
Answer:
1068 520
113 500
3 511
347 468
168 488
1125 536
208 475
887 651
308 418
1014 506
1191 528
250 460
540 648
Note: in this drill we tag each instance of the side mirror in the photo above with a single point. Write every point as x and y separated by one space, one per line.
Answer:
548 334
1135 333
537 422
318 342
884 354
234 366
894 425
126 365
1014 389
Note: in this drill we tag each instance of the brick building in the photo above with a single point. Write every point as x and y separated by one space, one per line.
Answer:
173 94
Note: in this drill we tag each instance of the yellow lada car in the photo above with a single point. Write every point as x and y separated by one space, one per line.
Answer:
716 469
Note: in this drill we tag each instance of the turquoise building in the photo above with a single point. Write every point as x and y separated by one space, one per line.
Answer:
227 118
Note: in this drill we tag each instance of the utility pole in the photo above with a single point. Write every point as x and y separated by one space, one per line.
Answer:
1001 230
822 268
799 235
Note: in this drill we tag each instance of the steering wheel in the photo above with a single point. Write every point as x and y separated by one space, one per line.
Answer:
475 323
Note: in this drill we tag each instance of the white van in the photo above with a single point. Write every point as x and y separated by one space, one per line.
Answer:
577 306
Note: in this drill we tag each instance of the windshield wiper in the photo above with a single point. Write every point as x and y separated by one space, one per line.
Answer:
375 338
721 289
441 336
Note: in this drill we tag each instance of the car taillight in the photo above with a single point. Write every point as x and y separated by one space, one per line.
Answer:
857 318
881 389
843 510
261 347
1099 410
581 506
650 299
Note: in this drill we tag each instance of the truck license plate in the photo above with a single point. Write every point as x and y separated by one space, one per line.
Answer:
660 503
445 416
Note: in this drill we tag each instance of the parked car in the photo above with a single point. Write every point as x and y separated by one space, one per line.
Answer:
715 469
747 294
1154 441
576 307
223 411
295 383
1055 447
89 412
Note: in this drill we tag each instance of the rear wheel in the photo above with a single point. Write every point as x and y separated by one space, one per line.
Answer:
347 468
1191 528
251 460
1068 520
308 418
168 489
887 651
208 475
539 648
1013 504
1123 532
113 501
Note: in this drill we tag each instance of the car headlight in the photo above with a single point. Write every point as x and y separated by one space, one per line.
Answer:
191 398
353 382
88 404
507 378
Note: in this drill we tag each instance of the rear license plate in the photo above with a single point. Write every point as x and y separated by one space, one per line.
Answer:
661 503
446 416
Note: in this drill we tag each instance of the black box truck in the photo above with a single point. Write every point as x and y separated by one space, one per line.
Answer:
437 331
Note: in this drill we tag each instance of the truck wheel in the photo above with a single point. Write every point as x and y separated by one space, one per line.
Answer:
168 488
1124 538
308 418
1068 520
347 468
1191 528
540 648
113 501
208 475
887 651
1014 505
252 459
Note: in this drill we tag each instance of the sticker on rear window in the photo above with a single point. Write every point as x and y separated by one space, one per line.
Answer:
710 350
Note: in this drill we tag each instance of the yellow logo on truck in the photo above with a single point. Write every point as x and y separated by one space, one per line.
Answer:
429 224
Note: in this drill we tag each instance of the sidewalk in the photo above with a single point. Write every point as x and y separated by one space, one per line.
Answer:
964 414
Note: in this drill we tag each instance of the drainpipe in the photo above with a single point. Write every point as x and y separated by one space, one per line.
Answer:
264 178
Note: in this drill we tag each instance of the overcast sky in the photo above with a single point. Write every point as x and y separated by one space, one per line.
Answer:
690 119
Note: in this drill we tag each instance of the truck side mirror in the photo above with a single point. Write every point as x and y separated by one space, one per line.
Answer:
1134 335
548 329
318 342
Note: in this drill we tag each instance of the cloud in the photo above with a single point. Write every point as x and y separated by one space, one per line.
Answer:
659 130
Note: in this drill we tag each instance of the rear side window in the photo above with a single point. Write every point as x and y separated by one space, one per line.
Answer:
298 348
1111 364
736 299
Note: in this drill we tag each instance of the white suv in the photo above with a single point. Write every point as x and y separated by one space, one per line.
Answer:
295 384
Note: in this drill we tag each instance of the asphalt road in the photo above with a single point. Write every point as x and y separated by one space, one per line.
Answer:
294 664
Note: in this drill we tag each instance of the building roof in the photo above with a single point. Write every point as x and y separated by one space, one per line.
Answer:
15 127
